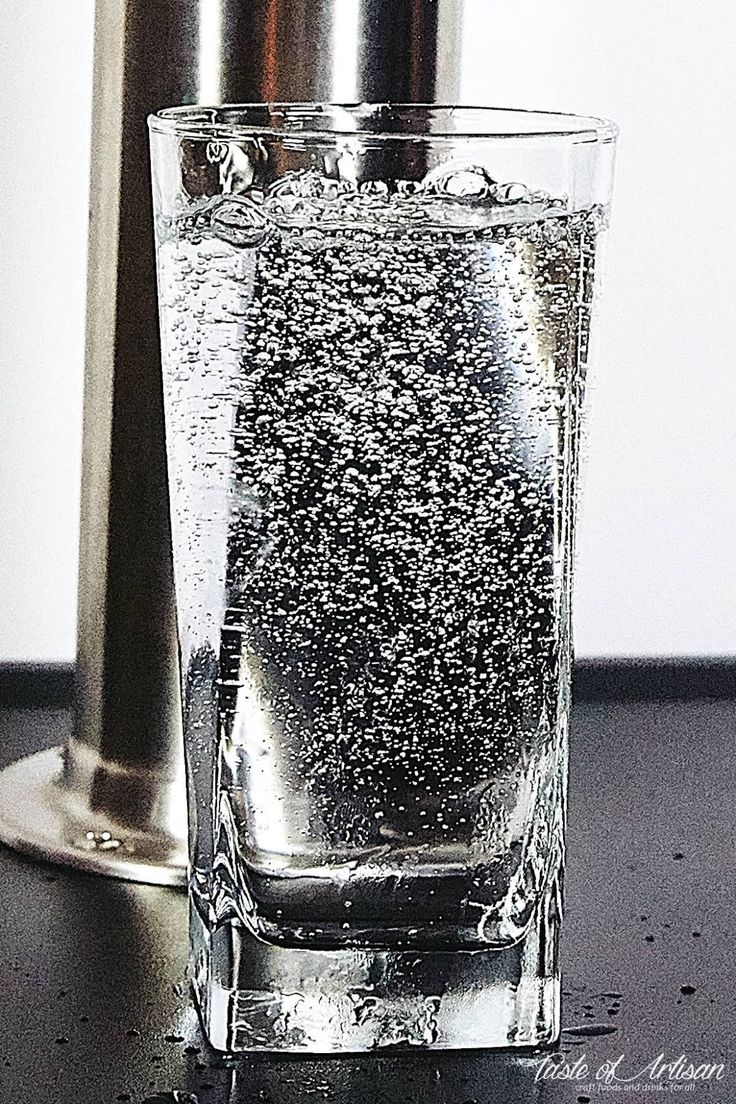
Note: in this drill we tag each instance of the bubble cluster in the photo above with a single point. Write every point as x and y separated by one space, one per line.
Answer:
373 532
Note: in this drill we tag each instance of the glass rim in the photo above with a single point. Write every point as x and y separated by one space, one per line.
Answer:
207 122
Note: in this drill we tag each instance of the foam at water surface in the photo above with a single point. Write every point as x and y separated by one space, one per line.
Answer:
461 197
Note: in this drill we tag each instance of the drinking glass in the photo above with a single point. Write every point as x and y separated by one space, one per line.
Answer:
375 327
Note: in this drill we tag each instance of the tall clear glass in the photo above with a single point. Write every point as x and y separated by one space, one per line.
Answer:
375 326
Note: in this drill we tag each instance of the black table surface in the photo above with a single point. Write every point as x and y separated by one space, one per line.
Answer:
95 1007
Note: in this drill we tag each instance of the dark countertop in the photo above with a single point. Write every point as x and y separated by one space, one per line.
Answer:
94 1005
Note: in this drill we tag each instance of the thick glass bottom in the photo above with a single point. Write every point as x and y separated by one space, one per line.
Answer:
254 996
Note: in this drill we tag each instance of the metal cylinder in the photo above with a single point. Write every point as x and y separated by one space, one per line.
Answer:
118 805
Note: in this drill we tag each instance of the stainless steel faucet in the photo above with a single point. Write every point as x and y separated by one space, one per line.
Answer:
113 799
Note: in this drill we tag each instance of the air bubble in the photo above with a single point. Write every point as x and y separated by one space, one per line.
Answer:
239 221
459 181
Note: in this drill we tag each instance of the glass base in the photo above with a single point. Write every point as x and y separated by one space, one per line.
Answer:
254 996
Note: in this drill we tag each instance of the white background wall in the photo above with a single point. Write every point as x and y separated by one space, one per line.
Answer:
657 546
45 98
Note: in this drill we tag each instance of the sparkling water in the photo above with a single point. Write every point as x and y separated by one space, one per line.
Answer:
373 404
